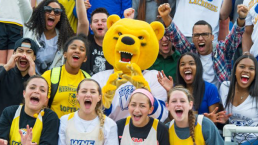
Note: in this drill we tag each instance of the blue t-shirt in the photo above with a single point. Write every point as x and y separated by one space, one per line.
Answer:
210 97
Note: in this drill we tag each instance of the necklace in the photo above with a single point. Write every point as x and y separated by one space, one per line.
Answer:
85 128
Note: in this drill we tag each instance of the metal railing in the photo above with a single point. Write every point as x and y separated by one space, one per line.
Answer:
247 133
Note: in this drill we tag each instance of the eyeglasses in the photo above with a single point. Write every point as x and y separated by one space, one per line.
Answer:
204 35
49 9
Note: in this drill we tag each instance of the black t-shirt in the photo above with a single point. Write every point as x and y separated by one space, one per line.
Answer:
49 134
141 133
96 61
11 87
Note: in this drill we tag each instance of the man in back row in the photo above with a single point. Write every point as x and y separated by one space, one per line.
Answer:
216 59
96 61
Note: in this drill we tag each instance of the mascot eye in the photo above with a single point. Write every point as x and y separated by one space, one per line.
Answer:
141 37
119 33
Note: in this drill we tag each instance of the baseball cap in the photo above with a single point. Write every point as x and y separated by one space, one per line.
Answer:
33 45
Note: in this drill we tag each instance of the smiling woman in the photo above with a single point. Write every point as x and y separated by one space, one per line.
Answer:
239 96
139 128
48 26
186 127
88 124
43 122
62 91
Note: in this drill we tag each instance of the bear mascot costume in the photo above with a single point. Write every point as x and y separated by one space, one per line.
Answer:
130 46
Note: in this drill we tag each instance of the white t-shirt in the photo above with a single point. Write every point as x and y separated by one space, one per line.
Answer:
245 114
46 53
110 128
188 13
251 19
119 106
208 71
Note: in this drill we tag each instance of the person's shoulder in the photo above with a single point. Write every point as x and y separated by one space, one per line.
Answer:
210 85
162 126
10 110
121 122
225 84
50 114
109 122
207 123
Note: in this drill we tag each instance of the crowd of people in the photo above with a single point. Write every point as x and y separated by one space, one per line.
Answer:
52 73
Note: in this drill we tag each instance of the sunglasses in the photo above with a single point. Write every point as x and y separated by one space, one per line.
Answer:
49 9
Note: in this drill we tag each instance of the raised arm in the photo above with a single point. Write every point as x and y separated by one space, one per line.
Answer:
83 22
25 10
226 9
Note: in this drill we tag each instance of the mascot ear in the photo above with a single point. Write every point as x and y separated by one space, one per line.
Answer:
111 20
158 29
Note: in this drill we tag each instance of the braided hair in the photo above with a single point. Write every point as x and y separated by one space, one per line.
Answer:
37 23
191 115
98 109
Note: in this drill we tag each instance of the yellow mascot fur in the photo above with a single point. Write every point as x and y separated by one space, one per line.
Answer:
130 46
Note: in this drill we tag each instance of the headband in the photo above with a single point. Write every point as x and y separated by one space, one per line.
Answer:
146 93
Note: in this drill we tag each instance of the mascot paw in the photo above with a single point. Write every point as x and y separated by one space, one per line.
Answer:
109 89
136 77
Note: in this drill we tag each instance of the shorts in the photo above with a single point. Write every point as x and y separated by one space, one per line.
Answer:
9 34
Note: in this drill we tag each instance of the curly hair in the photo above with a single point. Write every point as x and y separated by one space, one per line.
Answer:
37 23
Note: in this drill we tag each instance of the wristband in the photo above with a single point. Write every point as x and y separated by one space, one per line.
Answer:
241 18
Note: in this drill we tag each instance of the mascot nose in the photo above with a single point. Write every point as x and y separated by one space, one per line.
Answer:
128 40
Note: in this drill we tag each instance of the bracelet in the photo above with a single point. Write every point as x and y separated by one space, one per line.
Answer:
241 18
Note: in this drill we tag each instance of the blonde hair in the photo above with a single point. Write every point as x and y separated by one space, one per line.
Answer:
191 115
98 108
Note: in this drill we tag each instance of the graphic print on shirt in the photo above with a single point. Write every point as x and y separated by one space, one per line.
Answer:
240 120
72 99
205 4
124 94
82 142
99 64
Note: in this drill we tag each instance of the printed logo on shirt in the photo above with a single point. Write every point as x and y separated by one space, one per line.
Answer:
240 120
138 140
124 93
251 4
66 89
205 4
68 109
72 99
95 51
16 143
82 142
100 64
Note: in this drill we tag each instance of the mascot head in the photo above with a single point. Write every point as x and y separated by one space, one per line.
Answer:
131 41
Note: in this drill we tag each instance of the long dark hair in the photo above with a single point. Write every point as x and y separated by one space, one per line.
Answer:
253 88
142 8
198 83
37 23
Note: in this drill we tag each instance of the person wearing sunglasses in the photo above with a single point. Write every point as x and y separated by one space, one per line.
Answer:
216 59
49 27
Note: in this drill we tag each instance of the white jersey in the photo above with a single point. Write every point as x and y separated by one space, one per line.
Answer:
240 117
119 106
188 12
251 19
82 128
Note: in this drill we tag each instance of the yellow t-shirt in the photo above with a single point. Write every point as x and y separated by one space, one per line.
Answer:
65 101
69 6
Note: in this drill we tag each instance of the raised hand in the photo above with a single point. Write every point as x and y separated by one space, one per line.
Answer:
27 138
109 89
87 4
3 142
129 13
12 61
31 70
220 117
242 11
136 77
166 83
164 11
